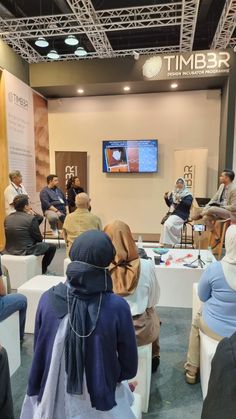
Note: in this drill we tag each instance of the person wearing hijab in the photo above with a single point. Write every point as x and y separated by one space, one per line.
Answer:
217 290
84 345
135 280
179 202
220 401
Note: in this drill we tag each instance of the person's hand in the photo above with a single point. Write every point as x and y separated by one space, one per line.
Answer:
30 211
59 213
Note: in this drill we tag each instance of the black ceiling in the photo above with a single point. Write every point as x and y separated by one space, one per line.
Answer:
209 13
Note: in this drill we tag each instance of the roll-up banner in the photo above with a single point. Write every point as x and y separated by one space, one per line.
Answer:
27 135
191 164
71 163
20 131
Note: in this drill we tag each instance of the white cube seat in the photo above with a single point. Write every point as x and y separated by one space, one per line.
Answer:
33 289
66 263
197 303
144 374
21 268
207 351
10 340
137 406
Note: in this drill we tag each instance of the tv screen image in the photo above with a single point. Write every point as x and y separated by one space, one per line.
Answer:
130 156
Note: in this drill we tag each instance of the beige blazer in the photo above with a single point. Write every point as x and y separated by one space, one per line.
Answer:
230 197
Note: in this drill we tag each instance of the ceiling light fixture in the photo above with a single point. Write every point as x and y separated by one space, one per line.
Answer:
80 52
71 40
41 42
136 55
53 54
174 85
126 88
80 91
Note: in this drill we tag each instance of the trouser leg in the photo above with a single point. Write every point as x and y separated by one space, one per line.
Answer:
46 249
48 257
10 304
193 356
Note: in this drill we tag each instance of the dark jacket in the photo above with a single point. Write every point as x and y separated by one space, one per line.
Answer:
71 195
49 197
220 402
6 405
21 231
183 208
111 349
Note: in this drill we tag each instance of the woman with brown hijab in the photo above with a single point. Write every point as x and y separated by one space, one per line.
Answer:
135 280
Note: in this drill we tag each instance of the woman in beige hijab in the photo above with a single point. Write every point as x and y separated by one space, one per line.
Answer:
135 280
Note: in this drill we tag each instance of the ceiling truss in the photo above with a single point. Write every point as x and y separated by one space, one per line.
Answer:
96 25
226 26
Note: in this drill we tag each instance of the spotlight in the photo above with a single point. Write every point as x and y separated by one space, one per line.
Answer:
41 42
80 91
136 55
53 54
126 88
174 85
71 40
80 52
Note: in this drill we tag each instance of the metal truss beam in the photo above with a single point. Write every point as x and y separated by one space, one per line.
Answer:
188 24
226 26
120 53
86 15
109 20
21 47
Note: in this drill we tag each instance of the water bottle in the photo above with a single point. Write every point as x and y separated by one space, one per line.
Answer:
140 242
209 257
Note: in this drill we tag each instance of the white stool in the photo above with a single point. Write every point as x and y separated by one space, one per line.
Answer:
207 351
66 263
144 374
10 340
137 406
21 268
33 289
197 304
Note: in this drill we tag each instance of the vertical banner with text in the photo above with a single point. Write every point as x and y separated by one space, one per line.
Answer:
191 164
71 163
20 131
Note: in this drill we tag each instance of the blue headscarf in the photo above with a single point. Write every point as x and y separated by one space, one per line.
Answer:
88 278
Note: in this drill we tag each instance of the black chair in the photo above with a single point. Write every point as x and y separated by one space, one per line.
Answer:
45 232
186 240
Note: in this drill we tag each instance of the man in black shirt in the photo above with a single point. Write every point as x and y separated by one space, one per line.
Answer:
23 236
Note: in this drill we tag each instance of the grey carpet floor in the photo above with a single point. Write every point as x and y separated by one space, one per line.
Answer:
171 397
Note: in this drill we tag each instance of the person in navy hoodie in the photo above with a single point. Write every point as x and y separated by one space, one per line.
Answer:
85 346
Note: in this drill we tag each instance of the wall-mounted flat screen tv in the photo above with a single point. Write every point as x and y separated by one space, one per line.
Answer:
130 156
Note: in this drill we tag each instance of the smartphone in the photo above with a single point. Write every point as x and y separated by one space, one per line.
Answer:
199 227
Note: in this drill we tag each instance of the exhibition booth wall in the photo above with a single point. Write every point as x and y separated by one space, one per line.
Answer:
179 120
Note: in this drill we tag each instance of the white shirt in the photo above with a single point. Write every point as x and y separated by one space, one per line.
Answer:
10 192
147 293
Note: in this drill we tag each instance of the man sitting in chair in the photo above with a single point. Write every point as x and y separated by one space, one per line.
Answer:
53 202
221 206
23 236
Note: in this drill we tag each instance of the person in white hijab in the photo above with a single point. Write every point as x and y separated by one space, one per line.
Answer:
179 202
217 290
